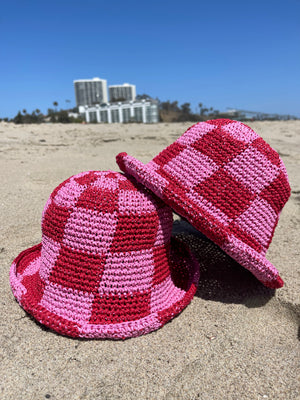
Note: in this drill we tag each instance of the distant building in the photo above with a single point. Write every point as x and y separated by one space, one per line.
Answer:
125 92
73 115
90 91
145 111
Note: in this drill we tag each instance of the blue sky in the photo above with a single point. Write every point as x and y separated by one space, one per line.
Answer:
222 53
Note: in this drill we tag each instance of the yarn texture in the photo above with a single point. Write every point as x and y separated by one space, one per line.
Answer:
228 183
107 266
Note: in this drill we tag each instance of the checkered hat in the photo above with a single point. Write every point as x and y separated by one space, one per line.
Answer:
107 266
228 183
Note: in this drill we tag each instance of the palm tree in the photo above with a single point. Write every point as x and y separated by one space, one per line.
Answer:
55 103
24 111
200 105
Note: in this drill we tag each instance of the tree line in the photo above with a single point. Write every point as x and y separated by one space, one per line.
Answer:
53 115
169 111
173 112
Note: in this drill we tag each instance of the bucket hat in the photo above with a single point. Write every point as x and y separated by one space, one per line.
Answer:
107 266
228 183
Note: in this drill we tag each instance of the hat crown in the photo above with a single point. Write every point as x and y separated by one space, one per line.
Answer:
84 210
91 220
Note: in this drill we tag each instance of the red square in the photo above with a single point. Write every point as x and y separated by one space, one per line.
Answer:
101 200
56 322
87 179
161 257
225 193
117 308
167 155
128 184
135 233
245 237
54 221
219 122
277 193
112 175
219 146
78 270
171 179
267 150
33 296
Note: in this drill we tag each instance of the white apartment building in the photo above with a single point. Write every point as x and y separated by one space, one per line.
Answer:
90 91
145 111
125 92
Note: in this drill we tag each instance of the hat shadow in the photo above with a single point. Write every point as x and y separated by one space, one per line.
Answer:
221 278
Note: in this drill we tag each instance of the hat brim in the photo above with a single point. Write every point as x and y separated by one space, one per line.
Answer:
174 196
27 287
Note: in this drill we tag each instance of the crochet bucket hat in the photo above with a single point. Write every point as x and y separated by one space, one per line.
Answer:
228 183
107 266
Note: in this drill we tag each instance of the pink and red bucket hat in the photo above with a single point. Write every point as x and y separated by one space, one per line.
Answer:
228 183
107 266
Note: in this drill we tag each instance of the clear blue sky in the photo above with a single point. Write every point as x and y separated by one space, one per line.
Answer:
221 53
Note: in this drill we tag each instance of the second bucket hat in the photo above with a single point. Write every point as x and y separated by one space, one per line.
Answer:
228 183
107 266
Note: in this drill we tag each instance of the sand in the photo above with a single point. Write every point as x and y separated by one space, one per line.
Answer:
236 340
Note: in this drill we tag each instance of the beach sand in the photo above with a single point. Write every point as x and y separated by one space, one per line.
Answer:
236 340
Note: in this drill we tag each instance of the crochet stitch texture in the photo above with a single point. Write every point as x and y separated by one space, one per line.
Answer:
107 266
228 183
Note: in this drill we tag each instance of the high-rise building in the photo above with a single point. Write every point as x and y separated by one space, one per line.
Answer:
125 92
89 92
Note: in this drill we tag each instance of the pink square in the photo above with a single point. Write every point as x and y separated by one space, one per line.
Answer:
117 330
48 203
106 181
165 295
195 133
135 202
49 253
163 235
127 272
153 165
68 303
240 132
258 221
191 167
68 194
252 169
32 267
96 228
18 289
